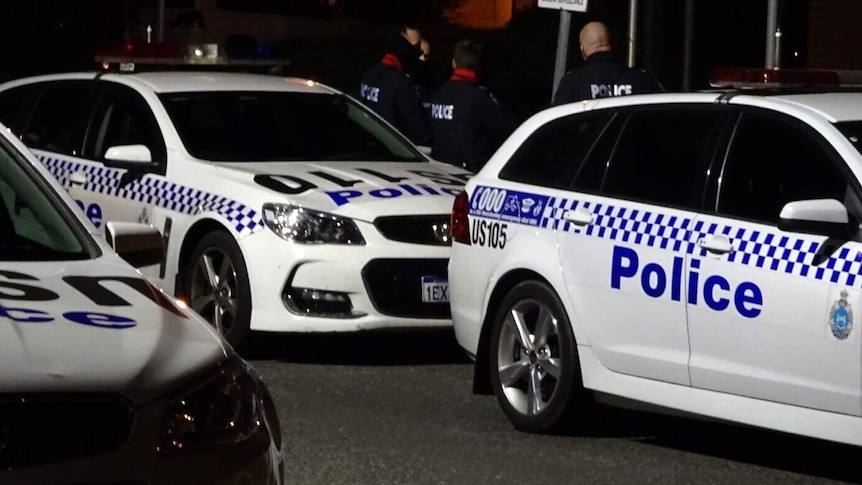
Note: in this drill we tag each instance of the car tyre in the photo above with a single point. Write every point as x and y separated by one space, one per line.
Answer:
217 287
534 364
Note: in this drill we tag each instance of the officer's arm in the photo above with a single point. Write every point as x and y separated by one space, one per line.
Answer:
413 119
654 85
565 91
495 119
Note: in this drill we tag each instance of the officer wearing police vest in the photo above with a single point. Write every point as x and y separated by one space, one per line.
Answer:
602 74
467 122
388 89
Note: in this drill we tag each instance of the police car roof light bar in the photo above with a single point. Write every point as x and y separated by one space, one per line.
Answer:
759 78
130 57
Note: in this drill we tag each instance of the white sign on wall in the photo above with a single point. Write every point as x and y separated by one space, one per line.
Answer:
574 5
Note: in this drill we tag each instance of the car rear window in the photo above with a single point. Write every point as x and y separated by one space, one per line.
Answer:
552 155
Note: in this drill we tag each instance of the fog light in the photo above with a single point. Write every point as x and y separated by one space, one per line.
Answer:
315 302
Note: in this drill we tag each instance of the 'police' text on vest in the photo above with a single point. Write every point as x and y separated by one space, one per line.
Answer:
606 90
369 93
442 111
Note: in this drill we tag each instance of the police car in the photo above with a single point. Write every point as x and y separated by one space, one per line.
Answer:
285 204
699 252
103 377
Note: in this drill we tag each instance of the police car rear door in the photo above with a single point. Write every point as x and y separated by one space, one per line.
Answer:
772 313
624 249
54 128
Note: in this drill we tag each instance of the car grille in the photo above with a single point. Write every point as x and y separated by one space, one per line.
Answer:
432 229
395 286
41 429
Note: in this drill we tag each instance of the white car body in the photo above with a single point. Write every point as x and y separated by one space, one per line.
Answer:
691 308
195 196
93 358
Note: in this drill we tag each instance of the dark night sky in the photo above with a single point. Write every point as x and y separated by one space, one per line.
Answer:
38 36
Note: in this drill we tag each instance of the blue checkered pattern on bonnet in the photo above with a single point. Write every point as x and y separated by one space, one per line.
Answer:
161 193
771 251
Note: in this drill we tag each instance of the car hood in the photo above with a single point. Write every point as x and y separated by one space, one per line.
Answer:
360 190
97 326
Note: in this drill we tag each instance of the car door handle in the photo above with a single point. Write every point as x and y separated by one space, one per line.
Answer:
579 217
716 243
78 178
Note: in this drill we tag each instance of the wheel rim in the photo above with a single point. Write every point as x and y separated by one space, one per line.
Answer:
213 289
528 356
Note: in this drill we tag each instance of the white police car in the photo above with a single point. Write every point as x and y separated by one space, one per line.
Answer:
285 204
103 377
700 252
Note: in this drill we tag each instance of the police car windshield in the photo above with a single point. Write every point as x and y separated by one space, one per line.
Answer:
236 126
853 131
33 225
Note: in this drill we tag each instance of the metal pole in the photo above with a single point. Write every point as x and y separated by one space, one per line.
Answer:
160 35
688 45
562 48
778 48
633 31
771 28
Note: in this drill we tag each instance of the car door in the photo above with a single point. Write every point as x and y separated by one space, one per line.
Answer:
54 128
623 248
771 313
123 147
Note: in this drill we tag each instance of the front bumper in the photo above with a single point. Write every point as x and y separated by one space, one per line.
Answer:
382 281
247 464
102 439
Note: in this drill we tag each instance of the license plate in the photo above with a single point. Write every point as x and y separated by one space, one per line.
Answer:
434 290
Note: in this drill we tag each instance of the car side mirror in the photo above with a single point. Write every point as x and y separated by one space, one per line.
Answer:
129 154
139 244
826 217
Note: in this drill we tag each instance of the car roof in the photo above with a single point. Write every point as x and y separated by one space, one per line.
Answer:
190 81
831 105
835 106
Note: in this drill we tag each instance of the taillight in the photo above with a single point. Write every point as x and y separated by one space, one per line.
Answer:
460 224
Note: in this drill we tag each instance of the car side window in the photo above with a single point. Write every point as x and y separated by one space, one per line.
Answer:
551 156
124 118
31 225
662 155
591 173
14 105
59 119
773 161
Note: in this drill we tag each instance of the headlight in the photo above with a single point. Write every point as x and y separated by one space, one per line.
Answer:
311 227
223 408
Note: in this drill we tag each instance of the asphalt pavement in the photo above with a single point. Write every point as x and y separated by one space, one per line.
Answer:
397 408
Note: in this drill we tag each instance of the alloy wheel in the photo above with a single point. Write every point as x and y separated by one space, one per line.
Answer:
528 356
213 289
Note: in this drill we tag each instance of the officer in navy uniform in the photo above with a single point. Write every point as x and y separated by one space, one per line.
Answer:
388 89
467 122
602 74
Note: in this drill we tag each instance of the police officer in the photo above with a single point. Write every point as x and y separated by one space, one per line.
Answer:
425 77
602 74
388 89
467 122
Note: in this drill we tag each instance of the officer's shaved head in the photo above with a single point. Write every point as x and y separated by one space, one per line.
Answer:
594 38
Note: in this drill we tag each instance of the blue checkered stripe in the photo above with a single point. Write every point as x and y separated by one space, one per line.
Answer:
759 249
648 228
161 193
